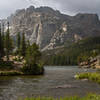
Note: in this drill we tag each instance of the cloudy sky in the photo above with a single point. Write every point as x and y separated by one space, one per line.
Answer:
70 7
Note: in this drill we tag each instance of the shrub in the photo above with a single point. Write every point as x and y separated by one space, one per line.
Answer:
6 65
32 69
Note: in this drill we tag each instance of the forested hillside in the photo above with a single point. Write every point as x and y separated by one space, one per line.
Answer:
71 55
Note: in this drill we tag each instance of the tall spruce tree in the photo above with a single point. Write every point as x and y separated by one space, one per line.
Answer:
18 42
0 43
3 40
7 42
28 44
23 45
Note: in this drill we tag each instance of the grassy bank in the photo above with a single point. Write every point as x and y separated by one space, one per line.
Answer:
10 73
88 97
90 76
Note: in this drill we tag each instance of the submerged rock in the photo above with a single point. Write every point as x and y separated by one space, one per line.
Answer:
65 86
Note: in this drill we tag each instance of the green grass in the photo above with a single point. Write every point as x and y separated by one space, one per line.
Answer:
88 97
10 73
90 76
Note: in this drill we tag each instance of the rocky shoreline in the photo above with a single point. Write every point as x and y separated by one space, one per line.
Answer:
91 63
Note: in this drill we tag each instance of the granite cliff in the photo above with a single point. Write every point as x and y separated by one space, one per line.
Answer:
51 29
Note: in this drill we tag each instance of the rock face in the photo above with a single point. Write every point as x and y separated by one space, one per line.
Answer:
91 63
51 29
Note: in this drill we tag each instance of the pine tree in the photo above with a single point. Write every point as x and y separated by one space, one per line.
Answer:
18 42
23 45
28 43
3 40
33 54
7 43
0 43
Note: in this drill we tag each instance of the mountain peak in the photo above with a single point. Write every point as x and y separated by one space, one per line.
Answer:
50 29
31 8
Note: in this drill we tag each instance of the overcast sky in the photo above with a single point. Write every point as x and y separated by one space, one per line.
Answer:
70 7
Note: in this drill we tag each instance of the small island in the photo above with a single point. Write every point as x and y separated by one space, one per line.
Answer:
18 57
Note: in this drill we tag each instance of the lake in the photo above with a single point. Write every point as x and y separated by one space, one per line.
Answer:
56 82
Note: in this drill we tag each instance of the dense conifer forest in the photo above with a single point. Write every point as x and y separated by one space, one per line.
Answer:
83 49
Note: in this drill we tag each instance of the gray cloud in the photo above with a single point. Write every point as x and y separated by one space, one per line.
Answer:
70 7
9 6
76 6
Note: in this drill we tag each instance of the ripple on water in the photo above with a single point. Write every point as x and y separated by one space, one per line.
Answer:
57 82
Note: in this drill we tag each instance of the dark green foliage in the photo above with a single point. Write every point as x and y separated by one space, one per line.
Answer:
18 42
33 54
61 60
0 43
3 41
6 65
33 69
23 46
8 43
74 53
32 65
28 44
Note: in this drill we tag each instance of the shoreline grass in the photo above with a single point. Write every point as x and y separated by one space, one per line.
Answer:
15 73
95 76
10 73
88 97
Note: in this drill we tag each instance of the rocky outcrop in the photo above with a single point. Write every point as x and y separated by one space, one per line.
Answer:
51 29
91 63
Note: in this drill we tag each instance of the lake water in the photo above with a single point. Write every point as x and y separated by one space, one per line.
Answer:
56 82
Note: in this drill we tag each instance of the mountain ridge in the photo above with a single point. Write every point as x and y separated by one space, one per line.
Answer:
51 29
